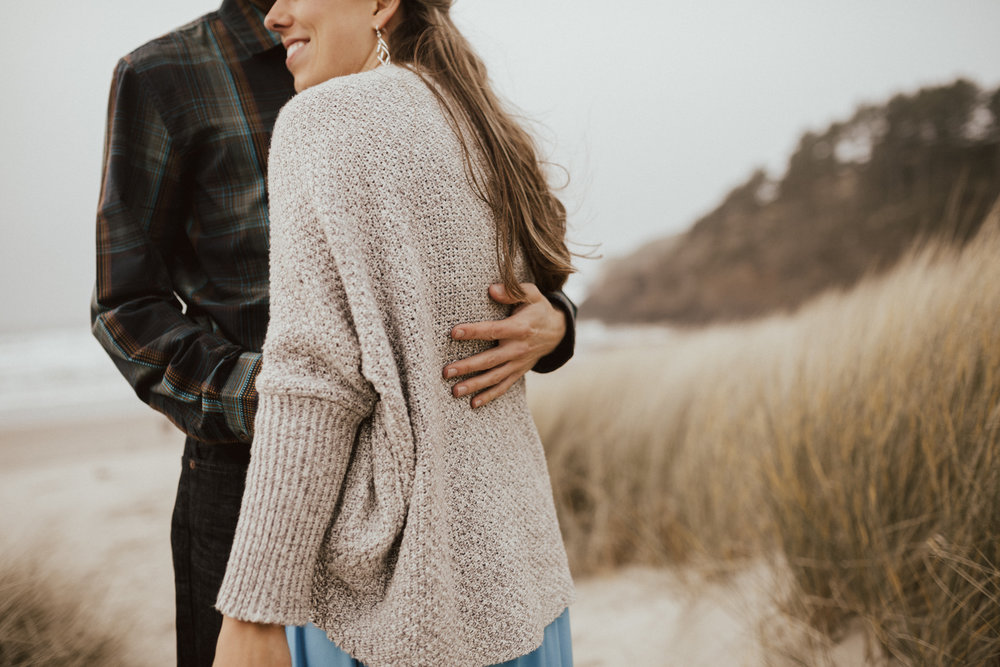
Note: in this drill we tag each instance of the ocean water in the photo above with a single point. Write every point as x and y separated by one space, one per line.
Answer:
57 376
64 375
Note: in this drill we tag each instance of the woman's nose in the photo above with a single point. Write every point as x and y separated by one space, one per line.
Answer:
277 19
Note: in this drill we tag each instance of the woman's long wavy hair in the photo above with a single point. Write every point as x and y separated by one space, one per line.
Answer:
529 216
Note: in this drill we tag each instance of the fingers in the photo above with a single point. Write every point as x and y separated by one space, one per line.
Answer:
499 293
479 382
500 367
497 390
516 326
491 384
491 330
485 361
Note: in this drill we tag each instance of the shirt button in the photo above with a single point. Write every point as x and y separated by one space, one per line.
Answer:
191 465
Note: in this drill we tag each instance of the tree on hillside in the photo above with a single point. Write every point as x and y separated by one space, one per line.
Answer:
853 198
994 107
926 159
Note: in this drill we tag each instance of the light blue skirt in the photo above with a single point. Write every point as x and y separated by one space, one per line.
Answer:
310 647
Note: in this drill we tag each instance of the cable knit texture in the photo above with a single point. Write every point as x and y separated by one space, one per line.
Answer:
413 529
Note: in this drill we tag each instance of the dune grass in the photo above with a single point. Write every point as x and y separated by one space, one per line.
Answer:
855 442
44 621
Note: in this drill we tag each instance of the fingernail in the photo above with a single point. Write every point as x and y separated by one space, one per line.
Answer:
477 402
450 373
461 391
459 333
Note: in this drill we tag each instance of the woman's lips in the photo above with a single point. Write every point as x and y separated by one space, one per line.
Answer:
292 49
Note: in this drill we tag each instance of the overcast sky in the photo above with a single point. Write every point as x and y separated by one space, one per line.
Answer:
655 108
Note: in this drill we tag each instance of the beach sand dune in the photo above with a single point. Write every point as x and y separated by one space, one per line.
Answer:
90 503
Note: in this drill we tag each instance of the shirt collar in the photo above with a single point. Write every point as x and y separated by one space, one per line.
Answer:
245 18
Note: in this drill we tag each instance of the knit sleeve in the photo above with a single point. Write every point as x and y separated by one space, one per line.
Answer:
312 398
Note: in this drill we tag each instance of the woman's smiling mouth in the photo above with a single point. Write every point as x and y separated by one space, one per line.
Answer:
292 47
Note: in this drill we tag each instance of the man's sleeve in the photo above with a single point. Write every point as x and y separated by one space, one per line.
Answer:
177 364
564 351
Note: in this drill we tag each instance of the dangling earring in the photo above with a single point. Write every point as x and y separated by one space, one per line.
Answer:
382 49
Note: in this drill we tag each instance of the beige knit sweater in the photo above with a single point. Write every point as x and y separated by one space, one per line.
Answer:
413 529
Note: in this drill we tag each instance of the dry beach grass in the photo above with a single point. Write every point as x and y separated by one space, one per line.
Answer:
44 622
844 459
854 444
84 542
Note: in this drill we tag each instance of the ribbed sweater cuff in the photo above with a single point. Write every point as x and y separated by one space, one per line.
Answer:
299 456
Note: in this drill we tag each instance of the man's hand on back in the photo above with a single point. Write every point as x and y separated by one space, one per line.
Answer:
533 330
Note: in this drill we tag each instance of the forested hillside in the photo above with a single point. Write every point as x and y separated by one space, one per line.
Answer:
852 199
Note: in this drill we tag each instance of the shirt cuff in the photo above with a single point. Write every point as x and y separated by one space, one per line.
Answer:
239 396
558 357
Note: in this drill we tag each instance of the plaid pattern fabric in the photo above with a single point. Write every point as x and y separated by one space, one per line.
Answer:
181 297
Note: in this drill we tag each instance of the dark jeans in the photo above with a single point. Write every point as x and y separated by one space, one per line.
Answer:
201 535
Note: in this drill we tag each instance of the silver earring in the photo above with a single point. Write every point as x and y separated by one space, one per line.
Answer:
382 49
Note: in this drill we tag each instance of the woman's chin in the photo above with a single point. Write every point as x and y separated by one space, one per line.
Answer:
306 78
301 83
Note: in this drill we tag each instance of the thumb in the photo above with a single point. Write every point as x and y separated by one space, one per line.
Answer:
499 294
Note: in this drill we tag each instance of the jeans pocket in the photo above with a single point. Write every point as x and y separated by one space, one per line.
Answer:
214 493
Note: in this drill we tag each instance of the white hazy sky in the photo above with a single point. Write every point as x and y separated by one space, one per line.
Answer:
656 108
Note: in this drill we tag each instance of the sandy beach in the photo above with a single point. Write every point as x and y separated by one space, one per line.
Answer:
89 503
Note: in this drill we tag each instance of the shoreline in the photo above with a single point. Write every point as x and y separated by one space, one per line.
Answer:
78 438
